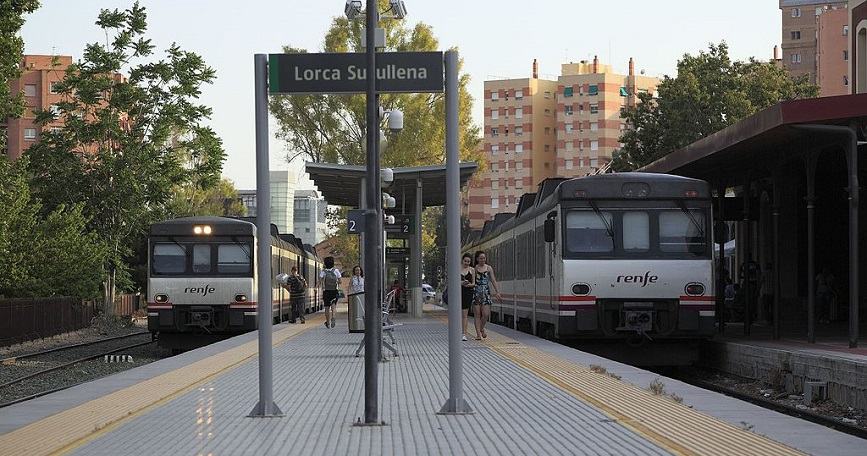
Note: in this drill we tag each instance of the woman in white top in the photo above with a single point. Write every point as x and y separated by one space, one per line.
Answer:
356 283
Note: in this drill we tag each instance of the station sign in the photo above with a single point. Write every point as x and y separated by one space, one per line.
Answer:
355 221
397 252
396 72
403 224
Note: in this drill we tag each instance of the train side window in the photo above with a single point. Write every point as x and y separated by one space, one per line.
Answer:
201 258
540 252
169 259
233 259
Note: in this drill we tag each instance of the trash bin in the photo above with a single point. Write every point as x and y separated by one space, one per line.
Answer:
356 312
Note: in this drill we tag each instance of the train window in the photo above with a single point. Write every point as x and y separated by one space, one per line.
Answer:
589 232
233 259
540 252
636 231
201 258
682 232
169 258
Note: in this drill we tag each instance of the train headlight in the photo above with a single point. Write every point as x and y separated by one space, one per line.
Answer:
694 289
206 229
161 298
581 289
197 230
240 298
202 229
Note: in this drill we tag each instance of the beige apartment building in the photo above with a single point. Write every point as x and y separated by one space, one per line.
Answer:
40 73
590 96
536 128
815 43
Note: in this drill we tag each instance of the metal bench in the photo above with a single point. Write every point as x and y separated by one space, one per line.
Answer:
388 327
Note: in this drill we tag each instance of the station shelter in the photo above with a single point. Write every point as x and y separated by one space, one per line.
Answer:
787 185
413 188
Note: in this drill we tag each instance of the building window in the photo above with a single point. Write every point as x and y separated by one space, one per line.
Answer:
30 134
547 165
568 110
495 95
519 94
547 94
495 185
796 58
594 126
567 91
796 35
495 114
845 80
495 132
493 167
519 148
569 163
594 145
845 54
519 131
29 90
547 148
495 202
547 112
494 149
519 113
55 110
845 30
624 92
53 88
796 12
594 90
547 130
594 108
568 128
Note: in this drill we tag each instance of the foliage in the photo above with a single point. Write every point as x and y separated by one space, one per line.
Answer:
709 93
54 255
11 52
126 142
219 200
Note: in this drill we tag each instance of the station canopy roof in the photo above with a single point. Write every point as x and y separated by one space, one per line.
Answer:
760 141
341 184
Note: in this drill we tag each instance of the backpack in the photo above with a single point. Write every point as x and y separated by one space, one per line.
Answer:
296 285
330 280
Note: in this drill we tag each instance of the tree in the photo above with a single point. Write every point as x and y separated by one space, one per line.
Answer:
11 52
220 200
709 93
54 255
331 128
126 142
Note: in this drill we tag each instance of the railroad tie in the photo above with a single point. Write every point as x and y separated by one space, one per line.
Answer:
118 358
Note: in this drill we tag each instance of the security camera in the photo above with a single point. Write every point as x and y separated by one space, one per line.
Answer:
353 9
387 175
398 8
388 201
395 119
389 220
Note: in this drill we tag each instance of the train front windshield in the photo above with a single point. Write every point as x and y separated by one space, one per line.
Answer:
217 257
606 232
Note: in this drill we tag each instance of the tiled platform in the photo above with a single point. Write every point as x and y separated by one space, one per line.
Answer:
531 397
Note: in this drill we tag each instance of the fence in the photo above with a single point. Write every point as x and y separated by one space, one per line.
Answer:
33 318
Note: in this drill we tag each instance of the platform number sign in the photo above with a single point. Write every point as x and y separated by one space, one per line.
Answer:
355 221
403 224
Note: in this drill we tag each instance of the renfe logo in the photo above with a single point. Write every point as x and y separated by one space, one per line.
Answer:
643 280
204 291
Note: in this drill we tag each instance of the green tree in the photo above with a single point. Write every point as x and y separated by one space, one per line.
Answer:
126 141
709 93
11 52
219 200
55 255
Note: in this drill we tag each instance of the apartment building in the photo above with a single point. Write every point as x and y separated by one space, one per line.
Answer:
815 43
590 96
309 216
858 46
537 128
39 75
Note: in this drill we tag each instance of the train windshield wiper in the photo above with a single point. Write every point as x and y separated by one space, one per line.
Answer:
243 246
608 227
692 218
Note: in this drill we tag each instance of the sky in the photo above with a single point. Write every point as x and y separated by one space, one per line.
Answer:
496 38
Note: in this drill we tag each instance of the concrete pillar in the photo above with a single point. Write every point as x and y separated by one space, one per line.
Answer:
415 269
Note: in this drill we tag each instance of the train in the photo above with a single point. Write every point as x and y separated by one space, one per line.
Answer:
614 259
202 279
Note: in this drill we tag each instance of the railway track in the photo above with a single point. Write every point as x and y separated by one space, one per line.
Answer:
57 382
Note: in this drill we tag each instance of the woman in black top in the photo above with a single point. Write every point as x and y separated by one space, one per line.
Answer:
468 286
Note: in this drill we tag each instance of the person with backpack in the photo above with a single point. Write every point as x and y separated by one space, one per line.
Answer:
297 286
329 281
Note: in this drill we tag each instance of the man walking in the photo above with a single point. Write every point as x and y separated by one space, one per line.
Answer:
329 280
297 287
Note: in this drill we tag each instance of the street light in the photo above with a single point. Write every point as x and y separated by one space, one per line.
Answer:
352 9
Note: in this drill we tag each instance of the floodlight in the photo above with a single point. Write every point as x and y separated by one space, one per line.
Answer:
398 8
353 9
387 176
395 120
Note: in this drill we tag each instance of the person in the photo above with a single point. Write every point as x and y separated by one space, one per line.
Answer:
729 293
398 295
485 279
356 285
468 287
329 281
296 285
824 294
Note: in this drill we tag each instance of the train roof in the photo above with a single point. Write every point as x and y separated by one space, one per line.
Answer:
220 225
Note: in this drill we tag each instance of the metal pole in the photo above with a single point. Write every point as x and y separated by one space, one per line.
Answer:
811 247
851 148
418 300
778 176
455 405
266 406
721 307
748 291
372 257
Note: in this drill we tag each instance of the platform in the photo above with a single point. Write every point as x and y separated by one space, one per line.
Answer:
530 396
791 360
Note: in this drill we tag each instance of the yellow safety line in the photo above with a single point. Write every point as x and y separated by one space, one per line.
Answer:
673 426
69 429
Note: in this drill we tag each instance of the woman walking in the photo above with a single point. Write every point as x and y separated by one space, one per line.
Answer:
468 288
485 279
